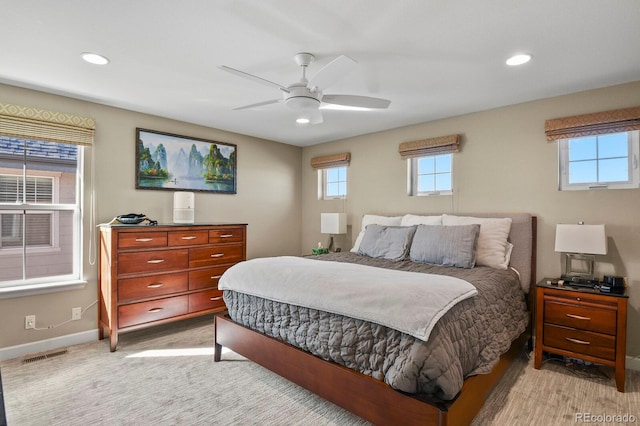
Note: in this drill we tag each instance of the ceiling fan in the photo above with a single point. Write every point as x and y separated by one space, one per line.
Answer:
306 96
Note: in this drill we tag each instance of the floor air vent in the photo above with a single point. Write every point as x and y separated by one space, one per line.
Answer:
44 355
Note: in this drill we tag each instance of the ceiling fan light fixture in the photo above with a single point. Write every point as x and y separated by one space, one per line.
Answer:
519 59
302 120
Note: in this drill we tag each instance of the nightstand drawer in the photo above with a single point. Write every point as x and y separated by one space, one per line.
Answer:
585 318
226 235
581 342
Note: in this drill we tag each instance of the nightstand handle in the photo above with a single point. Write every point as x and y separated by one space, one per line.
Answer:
155 261
217 255
578 317
158 285
215 277
154 310
226 235
580 342
190 237
213 299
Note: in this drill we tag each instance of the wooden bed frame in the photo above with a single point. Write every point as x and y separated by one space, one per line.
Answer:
371 399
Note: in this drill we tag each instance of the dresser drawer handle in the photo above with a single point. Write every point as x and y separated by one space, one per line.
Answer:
215 277
580 342
580 317
158 285
217 255
143 240
213 299
154 310
190 237
226 235
155 261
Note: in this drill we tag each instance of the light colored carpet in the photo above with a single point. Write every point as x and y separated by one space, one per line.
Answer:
152 380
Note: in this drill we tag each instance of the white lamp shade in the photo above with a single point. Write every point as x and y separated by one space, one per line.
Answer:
586 239
333 223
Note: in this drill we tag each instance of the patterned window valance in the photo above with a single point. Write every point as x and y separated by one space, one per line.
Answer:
32 123
620 120
335 160
431 146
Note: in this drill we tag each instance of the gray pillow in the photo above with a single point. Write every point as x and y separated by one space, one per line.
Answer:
388 242
445 245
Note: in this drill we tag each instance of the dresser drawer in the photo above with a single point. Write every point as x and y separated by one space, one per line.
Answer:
206 278
142 239
188 238
205 300
140 313
153 261
582 317
581 342
226 235
154 286
215 255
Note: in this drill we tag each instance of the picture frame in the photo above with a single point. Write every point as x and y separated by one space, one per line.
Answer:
166 161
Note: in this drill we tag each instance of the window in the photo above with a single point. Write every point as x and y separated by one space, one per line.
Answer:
38 190
430 175
599 161
39 211
334 182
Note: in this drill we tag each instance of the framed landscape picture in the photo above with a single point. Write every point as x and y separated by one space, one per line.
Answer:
179 163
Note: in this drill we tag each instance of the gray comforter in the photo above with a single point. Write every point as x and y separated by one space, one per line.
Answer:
468 340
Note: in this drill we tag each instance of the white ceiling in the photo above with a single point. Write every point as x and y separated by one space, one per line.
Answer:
431 58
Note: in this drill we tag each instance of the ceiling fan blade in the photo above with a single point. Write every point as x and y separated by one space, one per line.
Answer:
332 72
356 101
272 101
253 78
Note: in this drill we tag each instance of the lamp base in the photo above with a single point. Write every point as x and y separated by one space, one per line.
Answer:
578 265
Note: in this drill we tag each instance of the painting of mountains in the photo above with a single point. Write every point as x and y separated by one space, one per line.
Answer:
173 162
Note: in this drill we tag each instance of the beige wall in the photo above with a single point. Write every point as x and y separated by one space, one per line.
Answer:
268 200
505 165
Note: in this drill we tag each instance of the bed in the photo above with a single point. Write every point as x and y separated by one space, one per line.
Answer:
382 371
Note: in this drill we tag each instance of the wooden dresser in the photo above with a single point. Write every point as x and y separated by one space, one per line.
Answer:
152 275
582 323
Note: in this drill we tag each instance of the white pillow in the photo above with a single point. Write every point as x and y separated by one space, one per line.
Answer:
371 219
493 248
412 219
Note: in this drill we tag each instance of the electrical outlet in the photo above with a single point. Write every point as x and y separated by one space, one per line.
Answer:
29 322
76 313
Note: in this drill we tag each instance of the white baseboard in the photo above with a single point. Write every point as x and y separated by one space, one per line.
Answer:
48 344
632 363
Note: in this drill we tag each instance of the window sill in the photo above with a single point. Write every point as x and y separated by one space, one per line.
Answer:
35 289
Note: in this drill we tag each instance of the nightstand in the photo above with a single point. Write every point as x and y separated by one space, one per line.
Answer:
582 323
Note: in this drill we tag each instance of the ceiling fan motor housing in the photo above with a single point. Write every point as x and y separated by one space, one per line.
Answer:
301 98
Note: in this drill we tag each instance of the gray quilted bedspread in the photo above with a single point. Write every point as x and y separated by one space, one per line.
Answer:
468 340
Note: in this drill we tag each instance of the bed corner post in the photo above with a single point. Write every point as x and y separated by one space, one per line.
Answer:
217 349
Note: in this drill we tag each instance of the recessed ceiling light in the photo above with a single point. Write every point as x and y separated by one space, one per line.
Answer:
519 59
94 58
302 120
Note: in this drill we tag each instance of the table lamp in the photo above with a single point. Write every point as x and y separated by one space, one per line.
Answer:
579 244
333 223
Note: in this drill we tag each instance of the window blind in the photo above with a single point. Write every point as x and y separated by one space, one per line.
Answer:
432 146
327 161
615 121
37 124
